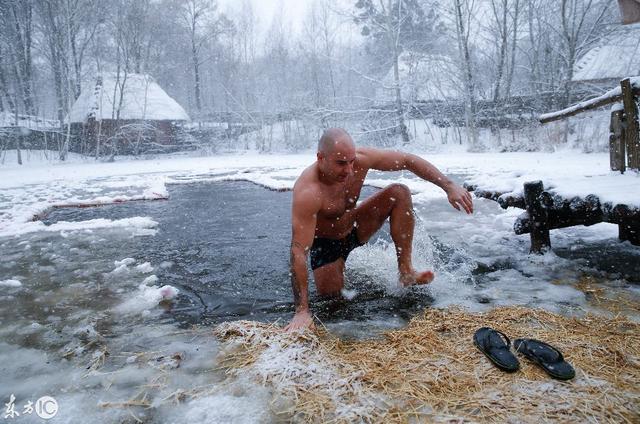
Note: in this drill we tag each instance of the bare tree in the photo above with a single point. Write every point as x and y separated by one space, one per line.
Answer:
499 9
52 30
83 18
533 51
5 96
386 20
67 28
582 25
515 20
540 48
203 24
310 47
134 34
246 25
502 29
328 34
16 20
278 66
123 59
462 14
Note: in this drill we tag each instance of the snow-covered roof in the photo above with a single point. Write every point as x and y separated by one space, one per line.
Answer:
142 99
423 77
617 58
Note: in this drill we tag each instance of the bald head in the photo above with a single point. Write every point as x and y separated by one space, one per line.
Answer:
331 137
336 156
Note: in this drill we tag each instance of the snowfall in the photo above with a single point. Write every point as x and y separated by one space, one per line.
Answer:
51 353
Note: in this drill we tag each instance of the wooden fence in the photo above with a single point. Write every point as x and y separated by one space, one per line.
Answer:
624 138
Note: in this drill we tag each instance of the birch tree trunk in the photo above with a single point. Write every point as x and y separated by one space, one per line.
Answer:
193 13
462 18
196 73
328 43
499 9
393 36
22 20
50 11
514 45
4 88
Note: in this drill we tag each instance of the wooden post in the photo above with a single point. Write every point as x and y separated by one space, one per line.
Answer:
538 217
617 158
628 223
632 133
627 231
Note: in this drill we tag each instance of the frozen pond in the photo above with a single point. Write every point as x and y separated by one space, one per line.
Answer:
225 247
86 323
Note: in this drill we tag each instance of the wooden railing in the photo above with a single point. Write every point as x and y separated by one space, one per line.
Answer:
624 138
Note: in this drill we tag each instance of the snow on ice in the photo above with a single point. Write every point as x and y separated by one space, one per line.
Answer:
10 283
29 191
146 298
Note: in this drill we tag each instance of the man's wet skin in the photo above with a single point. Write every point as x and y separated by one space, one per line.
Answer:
324 207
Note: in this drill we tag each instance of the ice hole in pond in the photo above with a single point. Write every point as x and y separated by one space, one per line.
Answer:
227 245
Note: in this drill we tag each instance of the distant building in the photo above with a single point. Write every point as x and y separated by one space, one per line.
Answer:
615 58
127 111
629 11
423 77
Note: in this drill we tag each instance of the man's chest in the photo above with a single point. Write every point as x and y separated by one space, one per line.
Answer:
337 201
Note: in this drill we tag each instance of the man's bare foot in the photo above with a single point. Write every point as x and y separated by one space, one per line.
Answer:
414 278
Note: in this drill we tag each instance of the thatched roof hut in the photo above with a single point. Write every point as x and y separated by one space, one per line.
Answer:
116 108
125 97
617 57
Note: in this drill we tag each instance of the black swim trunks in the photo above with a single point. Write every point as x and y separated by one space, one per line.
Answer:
325 251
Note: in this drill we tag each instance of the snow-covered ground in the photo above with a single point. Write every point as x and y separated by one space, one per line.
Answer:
26 121
60 348
33 188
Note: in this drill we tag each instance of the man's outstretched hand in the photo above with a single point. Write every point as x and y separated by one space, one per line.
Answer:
301 321
459 197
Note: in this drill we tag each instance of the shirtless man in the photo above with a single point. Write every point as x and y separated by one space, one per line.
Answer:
327 224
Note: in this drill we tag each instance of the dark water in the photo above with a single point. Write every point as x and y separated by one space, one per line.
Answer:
225 246
615 259
228 245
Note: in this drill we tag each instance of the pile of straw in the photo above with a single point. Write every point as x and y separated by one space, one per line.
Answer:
430 371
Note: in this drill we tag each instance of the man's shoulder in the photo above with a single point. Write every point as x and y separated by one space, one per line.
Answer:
306 201
307 179
365 156
307 187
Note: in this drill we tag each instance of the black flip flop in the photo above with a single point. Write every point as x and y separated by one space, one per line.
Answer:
547 356
495 345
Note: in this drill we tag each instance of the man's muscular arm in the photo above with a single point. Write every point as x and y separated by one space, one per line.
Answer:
305 207
388 160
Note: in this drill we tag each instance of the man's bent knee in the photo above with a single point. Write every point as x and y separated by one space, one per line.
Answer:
399 191
329 278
